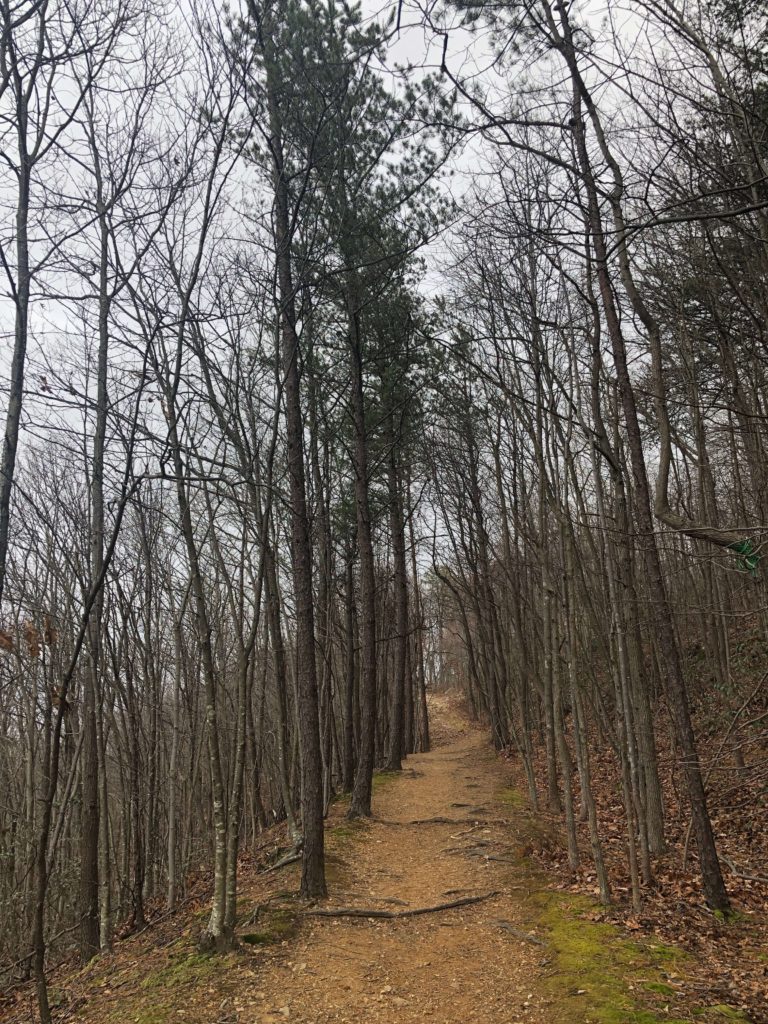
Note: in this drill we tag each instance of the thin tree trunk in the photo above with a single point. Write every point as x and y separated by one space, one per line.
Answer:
712 878
397 530
360 805
313 857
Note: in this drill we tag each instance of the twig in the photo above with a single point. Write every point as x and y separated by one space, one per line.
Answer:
466 832
291 858
725 738
392 914
435 821
507 927
742 874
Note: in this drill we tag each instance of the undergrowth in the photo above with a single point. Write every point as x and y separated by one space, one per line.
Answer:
595 974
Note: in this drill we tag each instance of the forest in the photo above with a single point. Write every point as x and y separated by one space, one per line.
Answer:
353 355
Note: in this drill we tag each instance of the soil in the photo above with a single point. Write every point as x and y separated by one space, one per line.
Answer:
446 828
457 966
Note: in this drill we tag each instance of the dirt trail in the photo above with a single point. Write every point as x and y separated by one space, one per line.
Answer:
457 966
444 829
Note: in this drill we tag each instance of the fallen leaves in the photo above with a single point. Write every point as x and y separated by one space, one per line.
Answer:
727 965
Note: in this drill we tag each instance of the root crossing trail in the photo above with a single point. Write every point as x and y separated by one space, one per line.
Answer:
442 832
436 914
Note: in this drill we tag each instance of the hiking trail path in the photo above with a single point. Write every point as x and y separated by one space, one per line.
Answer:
436 827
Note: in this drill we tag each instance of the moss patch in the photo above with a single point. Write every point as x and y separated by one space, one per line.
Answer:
179 971
381 779
596 974
350 829
156 1016
276 924
56 997
161 990
727 1012
595 977
599 976
660 988
339 836
666 954
513 797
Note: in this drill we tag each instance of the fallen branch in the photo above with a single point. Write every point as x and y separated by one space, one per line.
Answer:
709 771
507 927
389 915
290 859
435 821
742 874
466 832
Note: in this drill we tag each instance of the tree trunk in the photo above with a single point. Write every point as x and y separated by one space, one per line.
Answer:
313 856
360 805
712 878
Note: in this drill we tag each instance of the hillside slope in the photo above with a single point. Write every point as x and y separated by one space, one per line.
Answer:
446 830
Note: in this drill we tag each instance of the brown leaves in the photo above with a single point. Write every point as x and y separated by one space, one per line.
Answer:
727 966
32 639
50 633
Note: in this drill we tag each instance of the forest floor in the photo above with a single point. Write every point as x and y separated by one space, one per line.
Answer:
447 828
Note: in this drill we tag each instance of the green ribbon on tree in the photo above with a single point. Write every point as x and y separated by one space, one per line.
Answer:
750 560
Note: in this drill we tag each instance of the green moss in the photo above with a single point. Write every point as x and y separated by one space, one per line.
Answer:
381 779
345 832
660 987
728 916
56 997
154 1016
513 797
595 965
160 992
729 1012
188 968
666 954
348 830
277 925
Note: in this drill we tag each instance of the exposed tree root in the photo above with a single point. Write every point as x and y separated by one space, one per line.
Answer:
466 901
475 822
291 858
